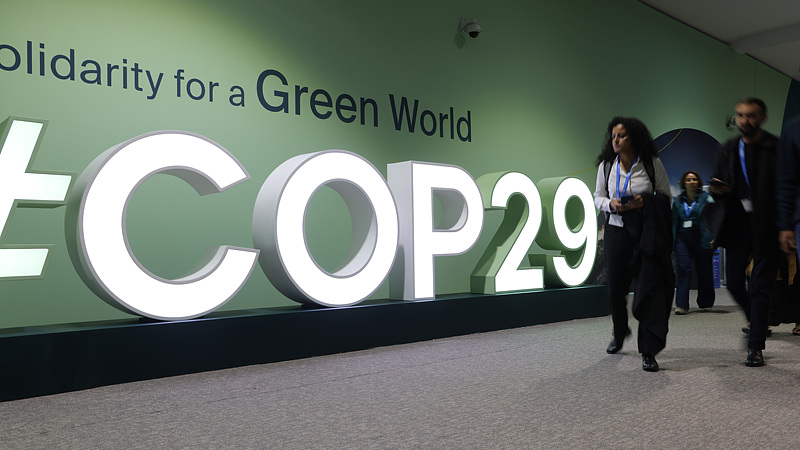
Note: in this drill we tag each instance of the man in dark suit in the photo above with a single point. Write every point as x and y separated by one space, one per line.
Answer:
744 182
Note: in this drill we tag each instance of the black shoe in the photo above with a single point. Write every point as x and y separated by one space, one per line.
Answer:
754 358
613 347
649 363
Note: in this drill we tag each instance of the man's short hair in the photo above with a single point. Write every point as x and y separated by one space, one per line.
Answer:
754 101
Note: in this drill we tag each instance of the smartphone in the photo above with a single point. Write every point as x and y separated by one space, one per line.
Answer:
625 199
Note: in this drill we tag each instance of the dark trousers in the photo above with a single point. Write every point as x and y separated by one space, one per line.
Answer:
687 250
621 266
754 303
618 250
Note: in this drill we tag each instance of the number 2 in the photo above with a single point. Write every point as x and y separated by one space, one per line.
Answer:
554 227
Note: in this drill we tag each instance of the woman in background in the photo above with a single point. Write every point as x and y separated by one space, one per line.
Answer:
693 243
633 190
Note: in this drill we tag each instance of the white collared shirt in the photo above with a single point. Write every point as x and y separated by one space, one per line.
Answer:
638 184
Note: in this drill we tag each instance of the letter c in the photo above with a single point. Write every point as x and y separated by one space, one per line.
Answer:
98 243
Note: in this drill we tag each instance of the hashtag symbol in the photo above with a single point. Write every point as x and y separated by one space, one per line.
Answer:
21 187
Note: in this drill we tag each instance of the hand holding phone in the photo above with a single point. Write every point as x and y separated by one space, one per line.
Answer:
718 186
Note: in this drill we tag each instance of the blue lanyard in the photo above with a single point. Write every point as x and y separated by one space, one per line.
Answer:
627 177
688 208
741 160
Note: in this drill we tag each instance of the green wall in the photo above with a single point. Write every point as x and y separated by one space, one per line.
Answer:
540 84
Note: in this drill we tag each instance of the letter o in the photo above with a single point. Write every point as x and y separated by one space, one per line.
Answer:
279 231
17 58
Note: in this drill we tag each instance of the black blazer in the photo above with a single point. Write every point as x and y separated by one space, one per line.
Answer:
726 221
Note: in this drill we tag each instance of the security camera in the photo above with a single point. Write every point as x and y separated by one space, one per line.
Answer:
471 27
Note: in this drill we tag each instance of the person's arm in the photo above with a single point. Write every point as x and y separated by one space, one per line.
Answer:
787 241
720 183
601 198
662 179
675 217
787 186
787 175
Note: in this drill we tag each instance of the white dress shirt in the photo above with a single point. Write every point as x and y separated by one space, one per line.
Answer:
639 184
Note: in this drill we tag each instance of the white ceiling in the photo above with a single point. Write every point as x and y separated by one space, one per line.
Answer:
767 30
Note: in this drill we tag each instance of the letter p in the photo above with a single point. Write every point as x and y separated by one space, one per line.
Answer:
19 141
414 186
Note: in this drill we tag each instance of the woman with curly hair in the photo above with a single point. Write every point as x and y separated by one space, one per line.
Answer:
694 242
633 190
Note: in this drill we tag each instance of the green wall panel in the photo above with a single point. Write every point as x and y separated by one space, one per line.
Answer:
540 84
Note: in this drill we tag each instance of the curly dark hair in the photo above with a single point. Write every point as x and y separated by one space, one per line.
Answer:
641 140
690 172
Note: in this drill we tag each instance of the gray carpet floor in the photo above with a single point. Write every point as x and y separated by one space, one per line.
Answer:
542 387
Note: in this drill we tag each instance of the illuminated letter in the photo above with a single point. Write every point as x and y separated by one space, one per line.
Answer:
414 184
96 227
278 228
499 270
19 141
577 242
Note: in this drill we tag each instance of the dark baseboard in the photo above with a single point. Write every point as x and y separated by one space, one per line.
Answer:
62 358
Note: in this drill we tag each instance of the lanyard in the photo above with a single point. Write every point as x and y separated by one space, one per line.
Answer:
741 160
627 177
688 208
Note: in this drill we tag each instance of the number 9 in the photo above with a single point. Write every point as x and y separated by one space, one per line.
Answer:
567 228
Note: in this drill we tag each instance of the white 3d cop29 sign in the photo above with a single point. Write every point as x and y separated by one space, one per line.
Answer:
393 231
